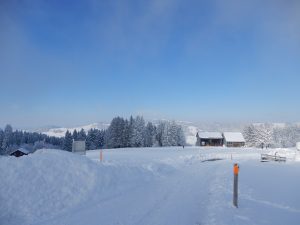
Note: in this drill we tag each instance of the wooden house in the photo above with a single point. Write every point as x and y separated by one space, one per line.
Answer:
19 152
234 139
209 139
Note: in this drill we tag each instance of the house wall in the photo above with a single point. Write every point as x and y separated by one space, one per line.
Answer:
209 142
235 144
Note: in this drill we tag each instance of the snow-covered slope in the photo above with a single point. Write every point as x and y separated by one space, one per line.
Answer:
49 183
162 186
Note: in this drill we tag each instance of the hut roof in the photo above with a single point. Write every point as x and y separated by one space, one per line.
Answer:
24 150
210 135
233 137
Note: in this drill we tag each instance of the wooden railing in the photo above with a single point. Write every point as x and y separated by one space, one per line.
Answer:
275 157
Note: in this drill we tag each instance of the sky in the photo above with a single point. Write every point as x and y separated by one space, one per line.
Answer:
76 62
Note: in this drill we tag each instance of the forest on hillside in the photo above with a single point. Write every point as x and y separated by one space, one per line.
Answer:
122 133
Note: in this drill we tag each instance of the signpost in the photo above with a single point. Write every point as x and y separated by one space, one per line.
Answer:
78 147
235 184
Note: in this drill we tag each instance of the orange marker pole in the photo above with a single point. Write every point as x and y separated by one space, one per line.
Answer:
101 156
235 184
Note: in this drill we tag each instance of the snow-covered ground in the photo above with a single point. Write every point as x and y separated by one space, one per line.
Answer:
166 186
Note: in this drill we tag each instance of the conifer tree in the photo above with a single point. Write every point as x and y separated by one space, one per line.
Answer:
1 140
150 132
81 136
138 132
7 139
99 142
75 135
68 141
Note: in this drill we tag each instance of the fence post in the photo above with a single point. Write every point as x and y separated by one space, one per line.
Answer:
101 155
235 184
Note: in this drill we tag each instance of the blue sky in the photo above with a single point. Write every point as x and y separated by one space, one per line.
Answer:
75 62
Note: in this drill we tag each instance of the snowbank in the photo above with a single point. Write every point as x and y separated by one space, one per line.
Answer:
289 153
161 186
50 182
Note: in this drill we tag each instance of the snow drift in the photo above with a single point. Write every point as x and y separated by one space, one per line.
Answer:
50 182
161 186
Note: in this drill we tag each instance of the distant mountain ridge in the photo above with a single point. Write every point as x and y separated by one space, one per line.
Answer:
60 131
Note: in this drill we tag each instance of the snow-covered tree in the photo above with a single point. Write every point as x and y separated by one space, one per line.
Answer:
150 132
249 134
81 136
39 145
99 142
286 136
68 141
170 134
91 139
75 135
1 140
127 133
115 133
7 139
30 140
159 133
17 137
180 136
138 132
266 135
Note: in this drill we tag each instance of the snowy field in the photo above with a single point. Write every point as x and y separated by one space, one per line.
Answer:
157 186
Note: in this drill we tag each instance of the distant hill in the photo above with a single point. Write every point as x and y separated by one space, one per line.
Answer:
60 131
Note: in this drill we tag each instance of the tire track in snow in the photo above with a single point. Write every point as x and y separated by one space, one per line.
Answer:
184 197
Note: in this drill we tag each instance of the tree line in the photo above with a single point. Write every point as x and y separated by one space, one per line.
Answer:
132 132
10 140
266 135
122 133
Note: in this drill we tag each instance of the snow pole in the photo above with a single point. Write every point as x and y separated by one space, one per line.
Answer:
235 184
101 155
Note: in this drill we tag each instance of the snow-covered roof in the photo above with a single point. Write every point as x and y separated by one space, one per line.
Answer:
210 135
24 150
233 137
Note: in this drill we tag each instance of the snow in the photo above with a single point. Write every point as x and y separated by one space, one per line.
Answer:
190 134
233 137
290 154
213 135
60 132
166 186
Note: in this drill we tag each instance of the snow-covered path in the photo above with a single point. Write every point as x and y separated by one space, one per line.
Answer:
173 186
179 197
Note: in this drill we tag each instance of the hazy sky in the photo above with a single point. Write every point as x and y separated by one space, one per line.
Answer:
75 62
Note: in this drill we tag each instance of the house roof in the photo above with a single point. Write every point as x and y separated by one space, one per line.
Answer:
233 137
210 135
24 150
